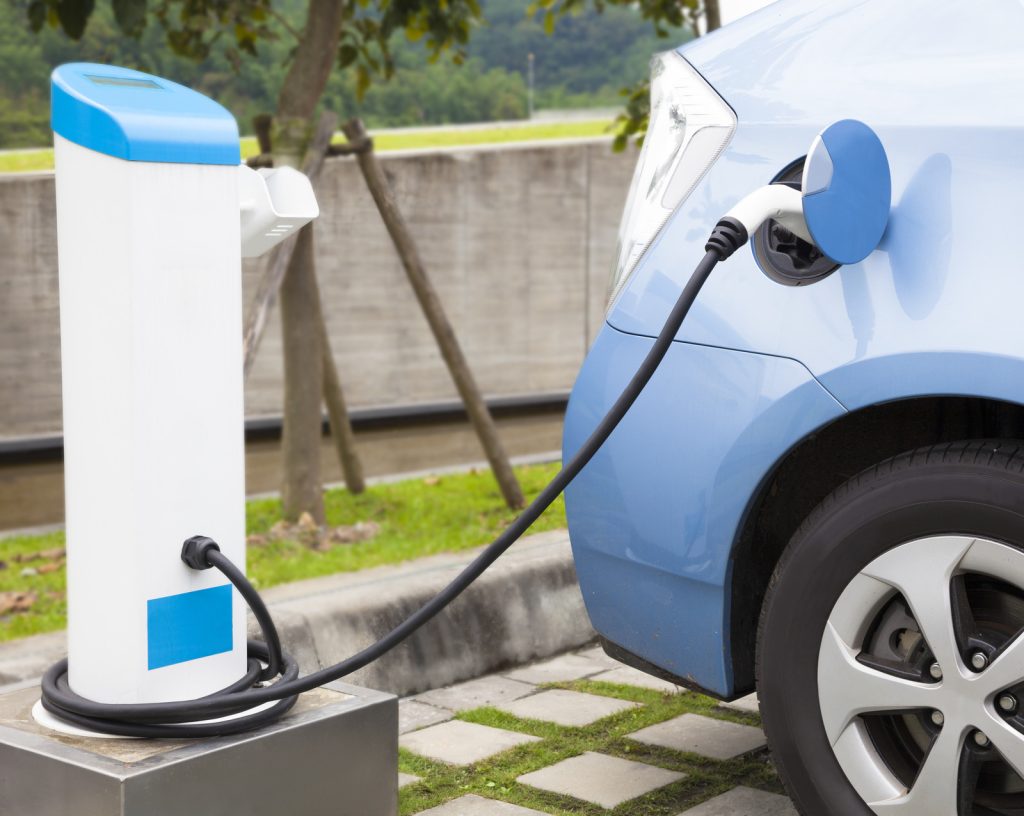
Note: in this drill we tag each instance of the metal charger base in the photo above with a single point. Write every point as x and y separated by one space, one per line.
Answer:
335 753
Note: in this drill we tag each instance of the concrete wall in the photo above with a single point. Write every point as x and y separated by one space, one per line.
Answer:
518 239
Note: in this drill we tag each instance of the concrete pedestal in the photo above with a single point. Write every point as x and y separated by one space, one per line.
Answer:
335 753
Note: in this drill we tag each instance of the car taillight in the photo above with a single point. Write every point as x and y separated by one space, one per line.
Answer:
689 127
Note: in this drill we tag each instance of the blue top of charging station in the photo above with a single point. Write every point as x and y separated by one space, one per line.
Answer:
135 116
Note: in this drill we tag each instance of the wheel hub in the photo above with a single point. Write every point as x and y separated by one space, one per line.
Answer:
919 662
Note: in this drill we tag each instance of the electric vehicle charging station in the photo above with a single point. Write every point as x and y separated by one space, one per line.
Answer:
154 212
148 246
154 215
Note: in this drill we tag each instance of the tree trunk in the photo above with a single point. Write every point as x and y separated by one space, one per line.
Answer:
712 15
303 86
302 490
433 310
306 79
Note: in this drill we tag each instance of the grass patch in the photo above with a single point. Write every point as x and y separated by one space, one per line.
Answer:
495 135
49 611
417 517
26 161
496 777
23 161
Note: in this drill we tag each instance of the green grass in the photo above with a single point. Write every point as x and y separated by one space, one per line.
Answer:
496 777
26 161
417 517
50 609
495 135
23 161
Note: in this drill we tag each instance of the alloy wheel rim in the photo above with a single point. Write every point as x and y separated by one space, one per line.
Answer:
915 688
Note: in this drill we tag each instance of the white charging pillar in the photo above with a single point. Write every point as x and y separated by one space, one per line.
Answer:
149 248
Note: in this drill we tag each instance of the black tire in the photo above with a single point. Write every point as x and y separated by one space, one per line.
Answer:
970 487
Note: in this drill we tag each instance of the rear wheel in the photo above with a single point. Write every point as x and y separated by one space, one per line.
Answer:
890 662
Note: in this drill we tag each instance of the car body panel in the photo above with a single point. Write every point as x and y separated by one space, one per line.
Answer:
652 525
758 366
952 143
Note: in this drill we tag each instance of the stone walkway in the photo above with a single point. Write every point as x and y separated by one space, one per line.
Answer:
582 734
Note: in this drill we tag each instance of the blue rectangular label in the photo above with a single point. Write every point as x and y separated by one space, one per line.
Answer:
189 626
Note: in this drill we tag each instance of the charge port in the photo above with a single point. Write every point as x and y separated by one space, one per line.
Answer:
783 256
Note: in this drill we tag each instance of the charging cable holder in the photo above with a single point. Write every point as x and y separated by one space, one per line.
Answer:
274 203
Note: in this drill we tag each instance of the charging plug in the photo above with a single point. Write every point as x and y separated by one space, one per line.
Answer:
778 202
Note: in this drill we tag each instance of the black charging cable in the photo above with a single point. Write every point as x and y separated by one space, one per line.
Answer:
266 659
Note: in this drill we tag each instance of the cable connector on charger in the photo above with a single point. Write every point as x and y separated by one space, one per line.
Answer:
195 550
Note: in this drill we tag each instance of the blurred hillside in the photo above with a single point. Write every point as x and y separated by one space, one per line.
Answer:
583 64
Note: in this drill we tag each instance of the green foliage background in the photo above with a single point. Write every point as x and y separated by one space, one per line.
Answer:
584 63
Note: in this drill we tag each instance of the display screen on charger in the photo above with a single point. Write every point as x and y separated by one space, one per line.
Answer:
125 82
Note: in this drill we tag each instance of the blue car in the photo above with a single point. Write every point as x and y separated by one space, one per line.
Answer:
820 494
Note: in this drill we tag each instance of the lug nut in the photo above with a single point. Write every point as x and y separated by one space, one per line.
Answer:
938 718
980 739
935 670
1007 703
979 661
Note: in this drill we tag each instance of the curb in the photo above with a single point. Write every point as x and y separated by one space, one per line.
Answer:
527 606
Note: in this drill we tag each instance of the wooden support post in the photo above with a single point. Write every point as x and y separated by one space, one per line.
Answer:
433 310
337 412
261 125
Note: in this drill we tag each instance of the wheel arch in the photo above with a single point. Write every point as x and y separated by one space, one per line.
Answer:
821 461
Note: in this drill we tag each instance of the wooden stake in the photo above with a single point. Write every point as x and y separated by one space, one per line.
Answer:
261 125
433 310
337 412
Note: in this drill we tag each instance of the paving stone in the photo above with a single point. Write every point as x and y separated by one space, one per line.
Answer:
628 676
748 704
413 714
406 779
460 743
473 805
695 734
483 691
600 779
566 707
558 670
744 802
